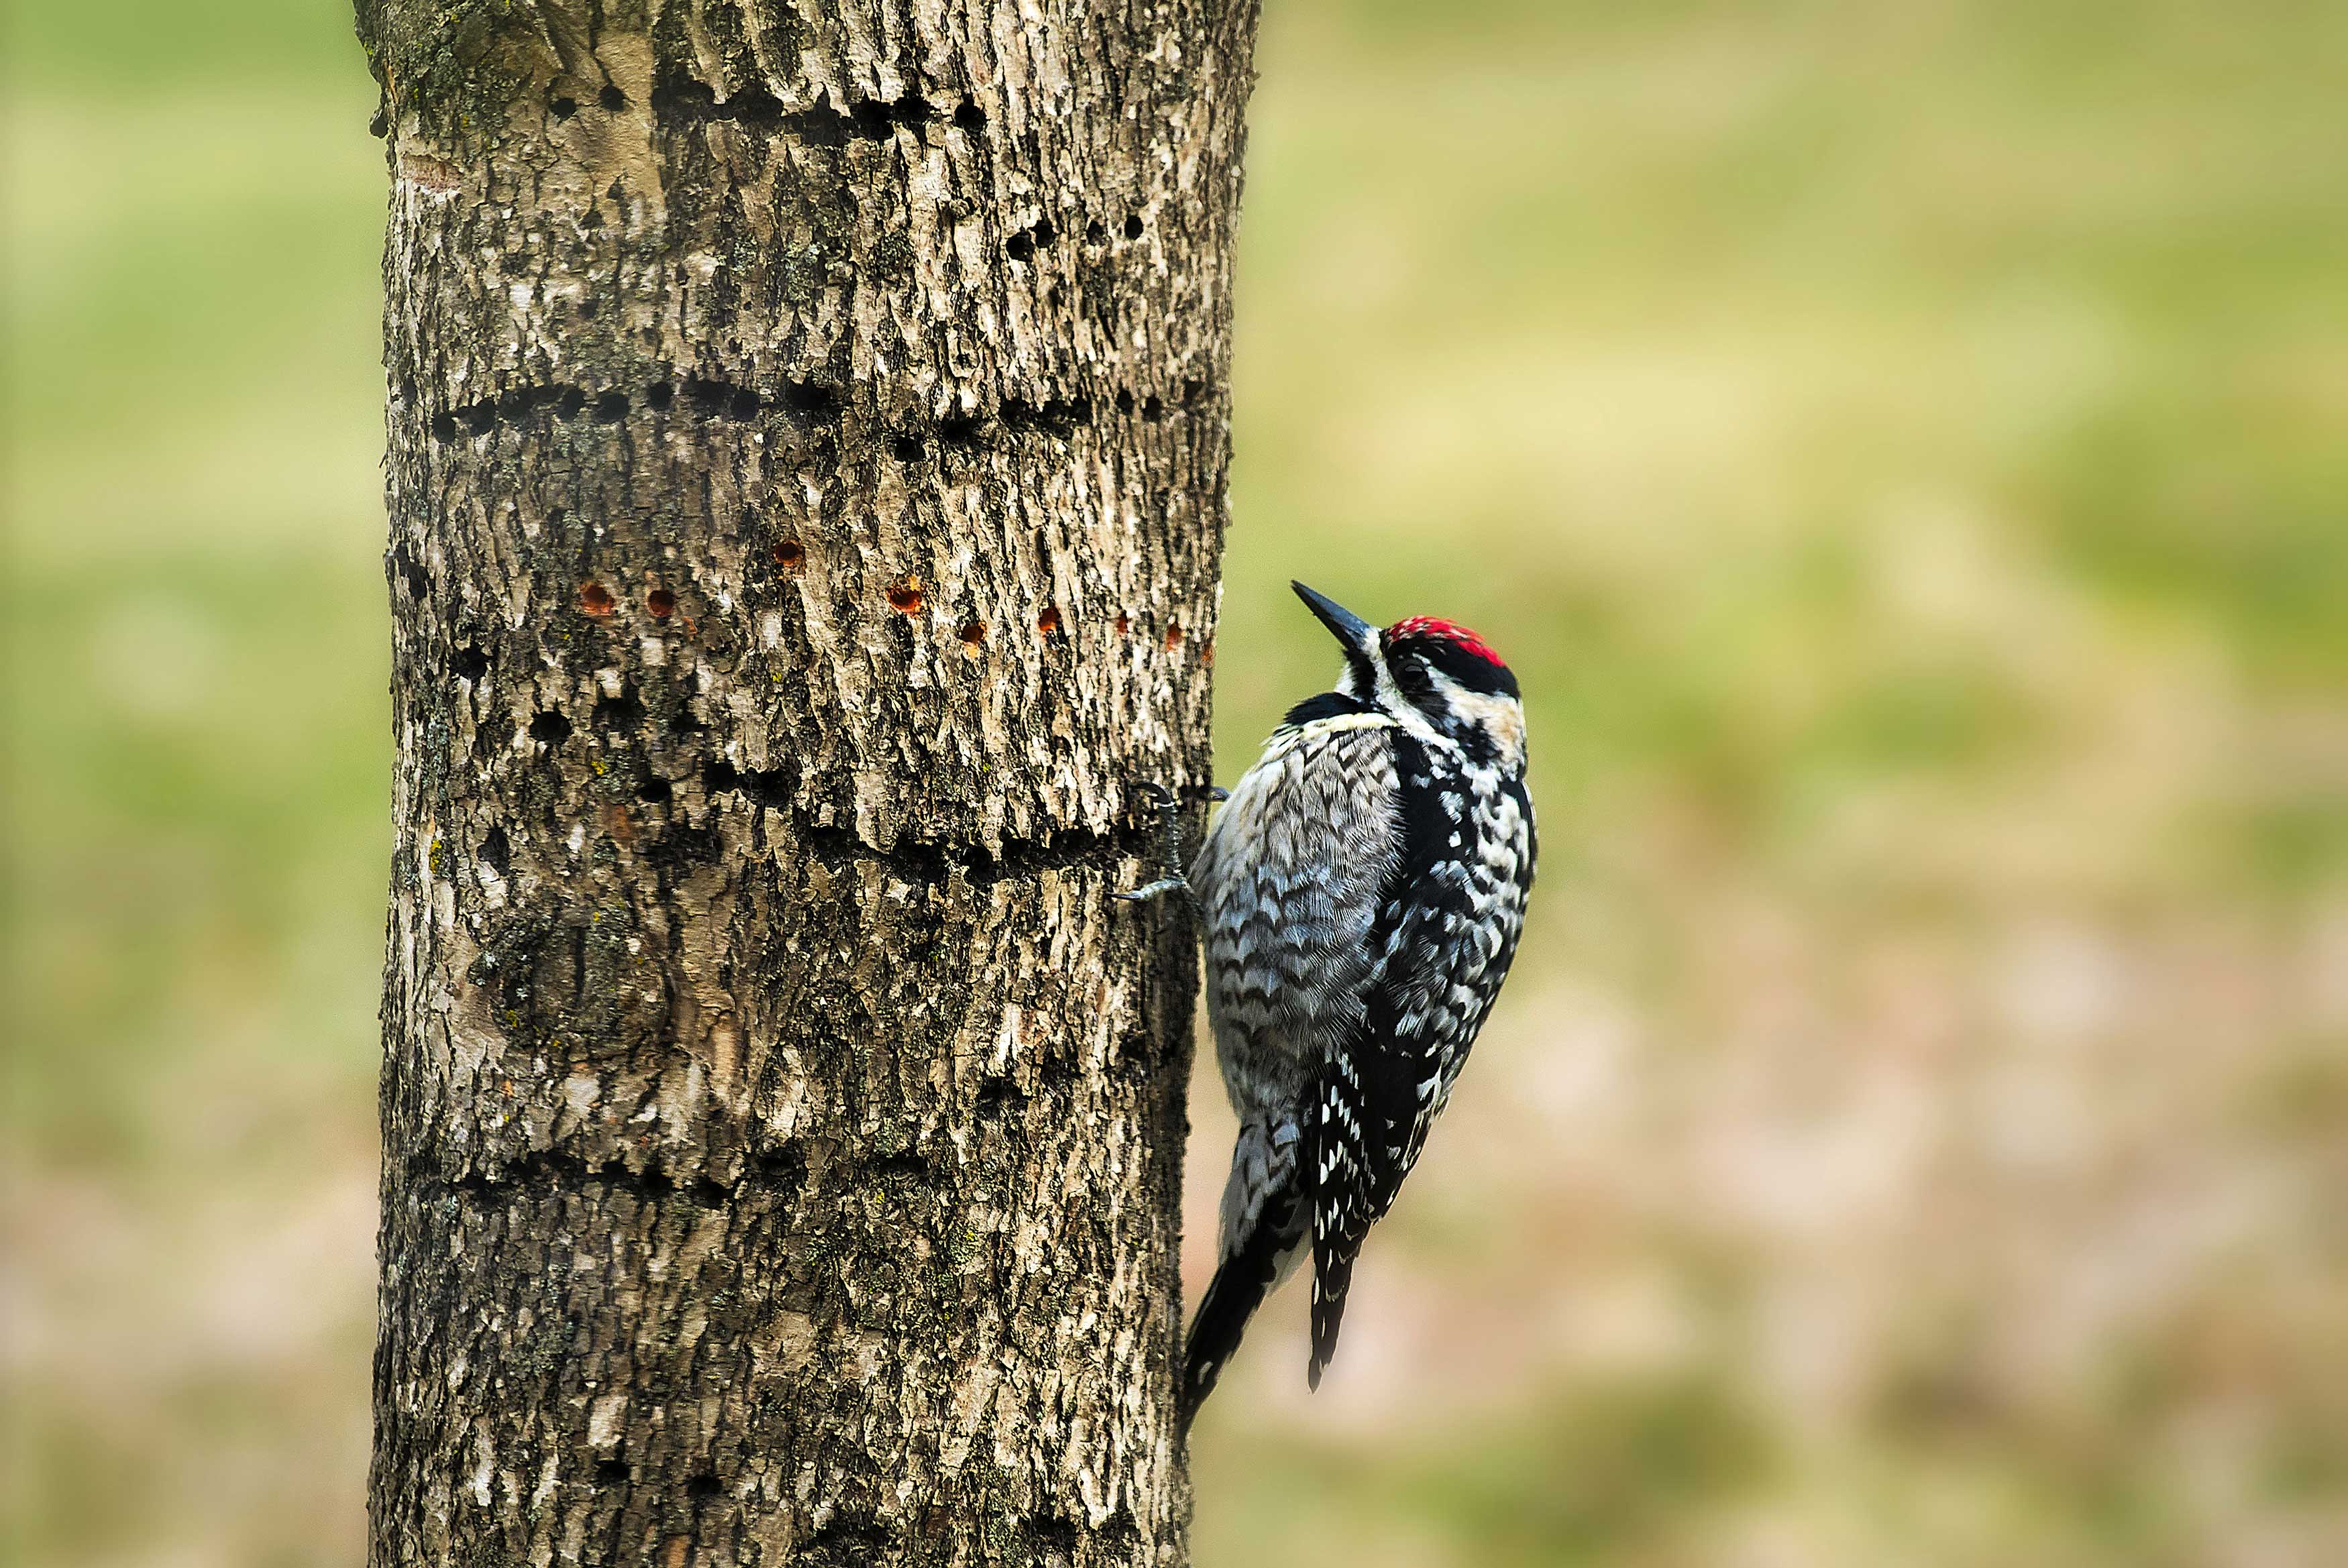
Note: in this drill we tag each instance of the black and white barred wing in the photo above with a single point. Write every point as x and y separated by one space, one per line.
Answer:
1447 933
1291 881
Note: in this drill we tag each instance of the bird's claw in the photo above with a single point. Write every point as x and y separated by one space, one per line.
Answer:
1168 805
1149 890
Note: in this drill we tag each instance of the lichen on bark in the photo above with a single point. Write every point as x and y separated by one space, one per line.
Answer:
808 434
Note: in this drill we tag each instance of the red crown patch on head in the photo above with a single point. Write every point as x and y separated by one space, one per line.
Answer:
1449 632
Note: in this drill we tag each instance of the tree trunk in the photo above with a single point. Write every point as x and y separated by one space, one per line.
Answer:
808 433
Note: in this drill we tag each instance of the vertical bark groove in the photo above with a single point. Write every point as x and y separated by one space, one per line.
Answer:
807 435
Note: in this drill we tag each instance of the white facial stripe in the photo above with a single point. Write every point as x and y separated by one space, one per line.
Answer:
1502 718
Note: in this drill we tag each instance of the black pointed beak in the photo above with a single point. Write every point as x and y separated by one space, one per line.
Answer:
1358 635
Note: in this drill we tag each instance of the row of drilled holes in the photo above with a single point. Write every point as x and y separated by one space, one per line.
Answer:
810 401
710 399
868 119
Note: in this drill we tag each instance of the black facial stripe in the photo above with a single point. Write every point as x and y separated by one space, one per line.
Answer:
1413 677
1327 705
1408 667
1472 671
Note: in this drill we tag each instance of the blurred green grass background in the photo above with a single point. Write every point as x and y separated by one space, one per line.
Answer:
1902 445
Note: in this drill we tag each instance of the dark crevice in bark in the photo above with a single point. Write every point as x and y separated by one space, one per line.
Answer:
706 397
687 101
848 1540
779 1166
809 402
1022 246
782 1171
904 1165
496 852
1054 416
770 787
1001 1096
554 1171
410 572
622 713
927 863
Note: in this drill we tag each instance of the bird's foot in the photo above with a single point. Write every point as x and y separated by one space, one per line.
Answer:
1169 806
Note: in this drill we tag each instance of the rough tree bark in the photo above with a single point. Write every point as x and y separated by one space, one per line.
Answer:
808 431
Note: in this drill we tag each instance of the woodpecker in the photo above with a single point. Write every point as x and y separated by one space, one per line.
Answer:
1360 896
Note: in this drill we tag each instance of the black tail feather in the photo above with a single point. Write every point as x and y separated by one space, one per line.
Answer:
1333 1273
1239 1288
